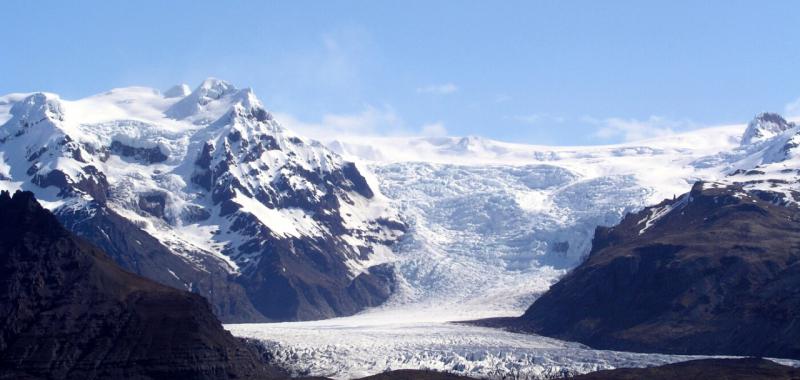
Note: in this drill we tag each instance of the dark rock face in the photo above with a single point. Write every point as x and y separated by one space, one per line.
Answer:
139 252
68 312
729 369
316 290
410 374
716 271
144 155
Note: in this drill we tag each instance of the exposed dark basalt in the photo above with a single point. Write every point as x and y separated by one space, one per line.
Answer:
69 312
144 155
92 182
301 279
728 369
139 252
411 374
718 274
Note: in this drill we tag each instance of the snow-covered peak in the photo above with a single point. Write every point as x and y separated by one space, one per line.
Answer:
37 107
764 126
211 100
214 88
30 111
178 91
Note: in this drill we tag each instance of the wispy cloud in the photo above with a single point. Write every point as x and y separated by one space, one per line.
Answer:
502 98
434 130
438 89
792 109
635 129
371 121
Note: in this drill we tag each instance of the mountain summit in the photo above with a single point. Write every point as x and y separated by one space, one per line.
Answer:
207 192
765 126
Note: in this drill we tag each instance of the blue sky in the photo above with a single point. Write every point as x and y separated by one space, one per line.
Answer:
545 72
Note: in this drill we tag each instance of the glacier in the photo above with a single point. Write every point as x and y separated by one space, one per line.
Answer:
491 226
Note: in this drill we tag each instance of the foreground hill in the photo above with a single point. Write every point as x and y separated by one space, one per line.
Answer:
716 271
67 311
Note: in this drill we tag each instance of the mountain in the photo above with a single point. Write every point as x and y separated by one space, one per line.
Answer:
69 312
714 271
205 191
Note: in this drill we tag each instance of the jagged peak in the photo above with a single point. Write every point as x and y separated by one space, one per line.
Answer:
212 99
214 88
37 107
20 198
765 126
21 211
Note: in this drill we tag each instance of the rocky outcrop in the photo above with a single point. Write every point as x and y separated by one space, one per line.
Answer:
765 126
139 252
715 271
67 311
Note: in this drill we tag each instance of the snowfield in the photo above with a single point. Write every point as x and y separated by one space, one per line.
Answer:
346 348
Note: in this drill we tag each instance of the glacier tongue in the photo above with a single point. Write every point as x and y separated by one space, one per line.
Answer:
483 241
359 346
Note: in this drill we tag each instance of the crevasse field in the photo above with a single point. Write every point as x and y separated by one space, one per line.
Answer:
492 226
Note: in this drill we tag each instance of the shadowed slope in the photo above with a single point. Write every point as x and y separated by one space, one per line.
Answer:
68 311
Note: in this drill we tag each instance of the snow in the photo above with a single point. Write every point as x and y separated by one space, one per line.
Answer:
178 124
657 213
284 222
364 345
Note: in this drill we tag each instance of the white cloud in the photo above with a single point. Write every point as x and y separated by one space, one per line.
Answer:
434 130
792 109
438 89
371 121
502 98
634 129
